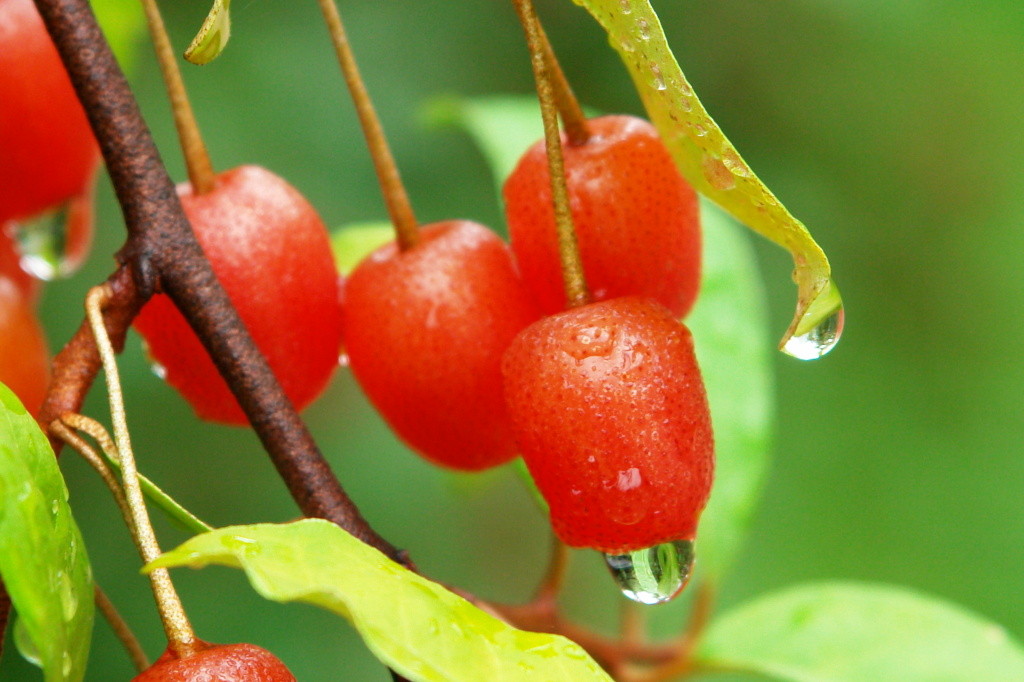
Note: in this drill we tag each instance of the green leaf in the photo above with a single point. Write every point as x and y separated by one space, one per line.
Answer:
708 160
352 243
414 626
123 23
213 34
845 632
730 329
43 560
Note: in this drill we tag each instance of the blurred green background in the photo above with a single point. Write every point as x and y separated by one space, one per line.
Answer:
893 130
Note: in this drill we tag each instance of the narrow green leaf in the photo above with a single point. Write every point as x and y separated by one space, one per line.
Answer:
414 626
846 632
352 243
730 328
43 560
708 160
213 34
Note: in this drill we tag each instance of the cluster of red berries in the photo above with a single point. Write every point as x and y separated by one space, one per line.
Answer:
49 159
604 401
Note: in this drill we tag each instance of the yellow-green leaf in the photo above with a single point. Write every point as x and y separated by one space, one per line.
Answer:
352 243
414 626
213 34
43 560
711 163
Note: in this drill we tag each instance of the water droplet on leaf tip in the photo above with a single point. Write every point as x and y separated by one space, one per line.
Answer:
655 574
818 341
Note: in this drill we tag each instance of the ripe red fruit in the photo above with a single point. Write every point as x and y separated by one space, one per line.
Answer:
48 151
271 252
24 359
610 413
425 330
637 220
219 663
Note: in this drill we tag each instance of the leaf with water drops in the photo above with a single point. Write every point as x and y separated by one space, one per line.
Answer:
213 34
848 632
730 330
414 626
352 243
43 560
711 163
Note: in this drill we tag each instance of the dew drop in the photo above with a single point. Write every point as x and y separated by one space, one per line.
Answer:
655 574
158 370
68 598
644 29
343 359
818 341
65 663
626 7
627 45
699 130
717 173
55 507
735 164
657 80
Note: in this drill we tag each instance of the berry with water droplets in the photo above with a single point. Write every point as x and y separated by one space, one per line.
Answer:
219 663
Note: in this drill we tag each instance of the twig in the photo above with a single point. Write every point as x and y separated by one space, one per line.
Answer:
121 629
573 120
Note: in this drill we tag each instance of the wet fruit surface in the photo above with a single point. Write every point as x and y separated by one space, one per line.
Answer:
637 220
425 330
47 151
219 663
271 253
611 416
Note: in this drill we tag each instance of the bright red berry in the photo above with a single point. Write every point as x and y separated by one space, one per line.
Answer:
219 663
24 359
425 330
47 149
610 413
272 254
636 219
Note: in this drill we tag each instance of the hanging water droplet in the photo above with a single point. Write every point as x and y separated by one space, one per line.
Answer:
819 340
655 574
53 244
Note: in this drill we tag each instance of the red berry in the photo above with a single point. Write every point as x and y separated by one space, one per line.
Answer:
219 663
425 330
271 252
610 413
48 151
636 219
24 360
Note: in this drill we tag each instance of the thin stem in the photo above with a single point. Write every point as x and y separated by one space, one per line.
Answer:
122 630
395 197
62 429
197 159
576 291
181 638
150 490
573 119
554 578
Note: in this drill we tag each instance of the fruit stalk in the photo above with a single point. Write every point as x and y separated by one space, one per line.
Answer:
395 197
576 291
180 636
197 159
161 246
573 119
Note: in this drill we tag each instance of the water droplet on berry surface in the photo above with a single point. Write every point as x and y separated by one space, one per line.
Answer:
343 360
818 341
655 574
53 243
